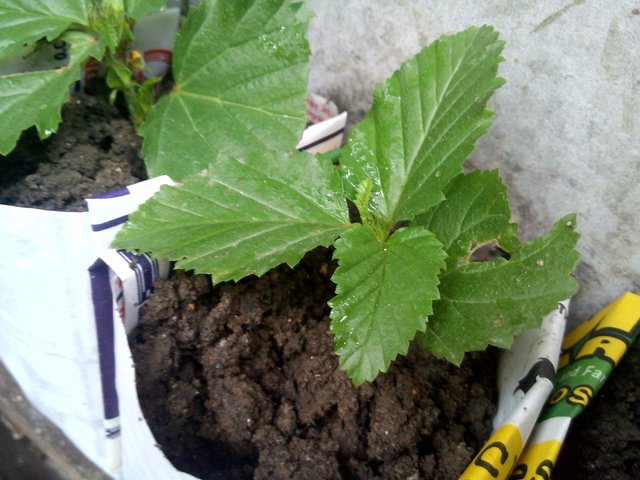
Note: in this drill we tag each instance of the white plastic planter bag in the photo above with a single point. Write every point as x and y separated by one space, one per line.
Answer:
70 302
73 365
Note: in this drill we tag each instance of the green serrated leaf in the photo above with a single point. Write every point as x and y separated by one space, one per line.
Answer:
111 34
368 217
241 84
475 212
384 293
242 216
424 122
487 303
136 9
35 98
23 22
109 21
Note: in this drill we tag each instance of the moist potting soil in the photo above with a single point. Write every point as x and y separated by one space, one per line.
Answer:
240 381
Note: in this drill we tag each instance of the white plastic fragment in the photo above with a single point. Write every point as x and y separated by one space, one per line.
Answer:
324 136
31 59
154 36
533 353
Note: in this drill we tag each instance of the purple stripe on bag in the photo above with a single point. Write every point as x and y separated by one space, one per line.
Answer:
120 192
146 264
103 312
145 270
111 223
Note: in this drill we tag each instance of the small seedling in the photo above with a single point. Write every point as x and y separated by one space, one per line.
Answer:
246 202
78 31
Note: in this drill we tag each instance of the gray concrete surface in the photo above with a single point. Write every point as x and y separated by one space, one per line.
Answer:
566 136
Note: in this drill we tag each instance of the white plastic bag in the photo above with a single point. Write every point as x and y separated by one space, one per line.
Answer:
70 303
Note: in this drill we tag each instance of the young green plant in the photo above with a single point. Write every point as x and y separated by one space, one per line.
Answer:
246 201
87 29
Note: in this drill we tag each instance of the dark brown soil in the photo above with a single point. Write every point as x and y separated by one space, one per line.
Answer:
96 150
240 380
248 374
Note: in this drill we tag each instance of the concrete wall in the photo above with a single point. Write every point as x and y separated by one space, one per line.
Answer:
566 135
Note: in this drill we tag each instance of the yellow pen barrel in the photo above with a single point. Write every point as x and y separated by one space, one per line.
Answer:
499 455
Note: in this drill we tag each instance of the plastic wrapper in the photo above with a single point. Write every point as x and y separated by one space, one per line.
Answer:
320 108
324 136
